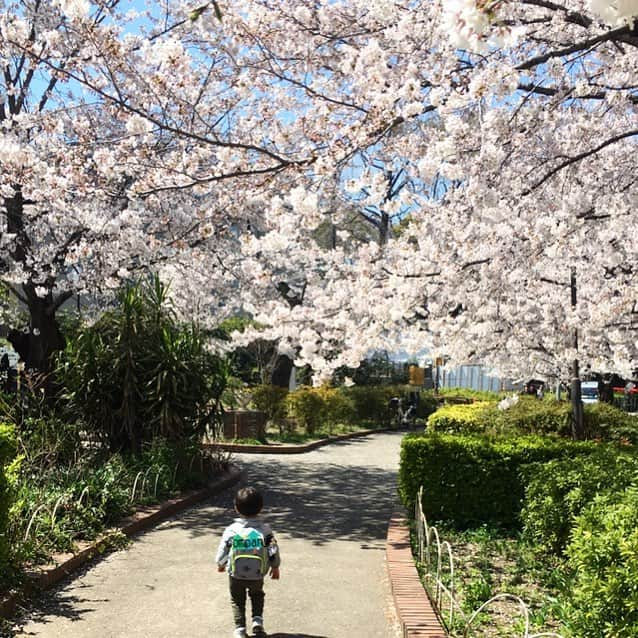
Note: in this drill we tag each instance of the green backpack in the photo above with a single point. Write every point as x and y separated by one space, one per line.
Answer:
248 556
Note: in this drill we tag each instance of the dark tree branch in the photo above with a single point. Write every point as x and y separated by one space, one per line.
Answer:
579 157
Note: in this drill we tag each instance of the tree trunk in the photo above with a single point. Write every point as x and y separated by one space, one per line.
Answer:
281 371
578 426
41 339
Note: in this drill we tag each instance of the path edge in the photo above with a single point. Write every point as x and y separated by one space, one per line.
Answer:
142 519
417 616
299 448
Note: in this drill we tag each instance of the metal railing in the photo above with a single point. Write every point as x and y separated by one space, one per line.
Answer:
436 559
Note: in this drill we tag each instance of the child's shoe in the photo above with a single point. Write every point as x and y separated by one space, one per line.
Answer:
240 632
258 627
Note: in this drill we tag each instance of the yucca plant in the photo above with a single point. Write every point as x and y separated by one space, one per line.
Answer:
138 373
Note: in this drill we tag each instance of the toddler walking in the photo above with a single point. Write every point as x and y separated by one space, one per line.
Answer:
249 551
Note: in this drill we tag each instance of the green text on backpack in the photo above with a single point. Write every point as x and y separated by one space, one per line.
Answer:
248 555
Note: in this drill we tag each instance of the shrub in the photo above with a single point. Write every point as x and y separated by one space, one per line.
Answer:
527 416
557 491
466 394
7 452
338 407
428 404
531 416
270 399
307 406
138 373
78 501
371 402
473 479
609 423
603 600
48 440
465 418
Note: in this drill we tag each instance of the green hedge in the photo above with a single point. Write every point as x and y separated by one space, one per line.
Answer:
557 491
7 452
611 424
603 600
461 418
531 416
470 480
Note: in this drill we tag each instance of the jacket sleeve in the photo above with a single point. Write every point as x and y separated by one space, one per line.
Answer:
221 557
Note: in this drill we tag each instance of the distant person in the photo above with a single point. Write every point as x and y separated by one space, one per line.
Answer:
248 551
540 392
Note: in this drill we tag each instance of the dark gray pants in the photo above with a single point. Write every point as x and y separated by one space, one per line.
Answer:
238 589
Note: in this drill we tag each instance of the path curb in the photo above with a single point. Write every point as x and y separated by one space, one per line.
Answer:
417 616
142 519
291 448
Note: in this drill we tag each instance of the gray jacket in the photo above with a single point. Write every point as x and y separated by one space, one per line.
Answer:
248 549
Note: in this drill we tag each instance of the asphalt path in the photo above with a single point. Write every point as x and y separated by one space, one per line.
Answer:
329 509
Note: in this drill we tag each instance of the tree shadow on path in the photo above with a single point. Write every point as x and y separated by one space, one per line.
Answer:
320 502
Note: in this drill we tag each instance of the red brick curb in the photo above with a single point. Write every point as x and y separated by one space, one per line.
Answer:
275 448
417 616
143 518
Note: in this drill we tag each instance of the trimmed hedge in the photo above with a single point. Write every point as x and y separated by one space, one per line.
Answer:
461 418
603 600
557 491
470 480
531 416
7 452
610 423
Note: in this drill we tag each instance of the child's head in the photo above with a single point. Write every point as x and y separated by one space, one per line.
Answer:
248 501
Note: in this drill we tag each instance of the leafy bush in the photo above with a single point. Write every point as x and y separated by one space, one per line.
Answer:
307 406
66 504
371 402
270 399
428 404
611 424
557 491
527 416
454 394
464 418
47 440
329 407
474 479
603 599
137 374
7 452
338 407
531 416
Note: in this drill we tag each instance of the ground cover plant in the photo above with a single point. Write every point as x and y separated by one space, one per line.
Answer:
134 394
561 516
53 505
489 561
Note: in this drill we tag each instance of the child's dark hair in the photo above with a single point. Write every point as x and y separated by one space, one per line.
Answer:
249 501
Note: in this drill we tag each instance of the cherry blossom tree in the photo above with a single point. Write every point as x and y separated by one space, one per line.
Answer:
216 135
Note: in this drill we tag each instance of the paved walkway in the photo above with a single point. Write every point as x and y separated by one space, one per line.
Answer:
330 510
